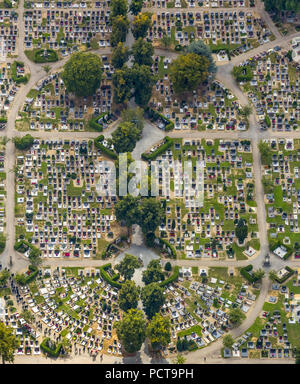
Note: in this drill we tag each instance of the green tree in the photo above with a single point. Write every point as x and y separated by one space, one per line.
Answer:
125 137
143 81
4 276
273 275
120 55
265 153
128 296
82 74
24 143
127 266
126 210
188 72
168 266
228 341
245 111
159 331
8 343
35 257
118 7
153 299
140 25
236 316
131 330
135 116
150 214
258 274
120 26
122 82
66 345
142 52
136 6
153 273
179 359
241 230
199 48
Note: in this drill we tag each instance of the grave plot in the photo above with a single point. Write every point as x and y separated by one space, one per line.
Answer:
272 83
275 333
212 107
77 305
197 4
205 224
198 306
282 195
48 106
67 30
229 31
8 33
58 207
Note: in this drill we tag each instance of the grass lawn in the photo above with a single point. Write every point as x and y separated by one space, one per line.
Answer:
196 328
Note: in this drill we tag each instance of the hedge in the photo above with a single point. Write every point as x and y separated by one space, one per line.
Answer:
108 152
169 246
245 273
93 123
156 115
167 144
172 278
46 349
26 279
3 119
277 244
110 280
39 58
16 79
284 278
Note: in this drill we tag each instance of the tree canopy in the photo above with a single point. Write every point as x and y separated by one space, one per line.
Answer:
159 331
188 72
201 49
118 7
142 52
8 343
153 273
265 153
143 81
150 214
124 138
228 341
131 330
126 210
135 116
136 6
122 82
24 143
127 266
120 26
140 25
82 74
282 5
241 230
236 316
153 299
128 296
120 55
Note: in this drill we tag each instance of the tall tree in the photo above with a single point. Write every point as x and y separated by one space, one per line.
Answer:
199 48
188 72
141 24
236 316
135 116
82 74
125 137
143 81
122 82
142 52
118 7
228 341
153 273
128 296
8 343
136 6
4 276
127 266
120 26
159 331
241 230
131 330
153 299
120 55
150 214
126 210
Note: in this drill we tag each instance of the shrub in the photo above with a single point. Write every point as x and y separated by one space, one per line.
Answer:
54 351
107 278
172 278
108 152
25 279
94 124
